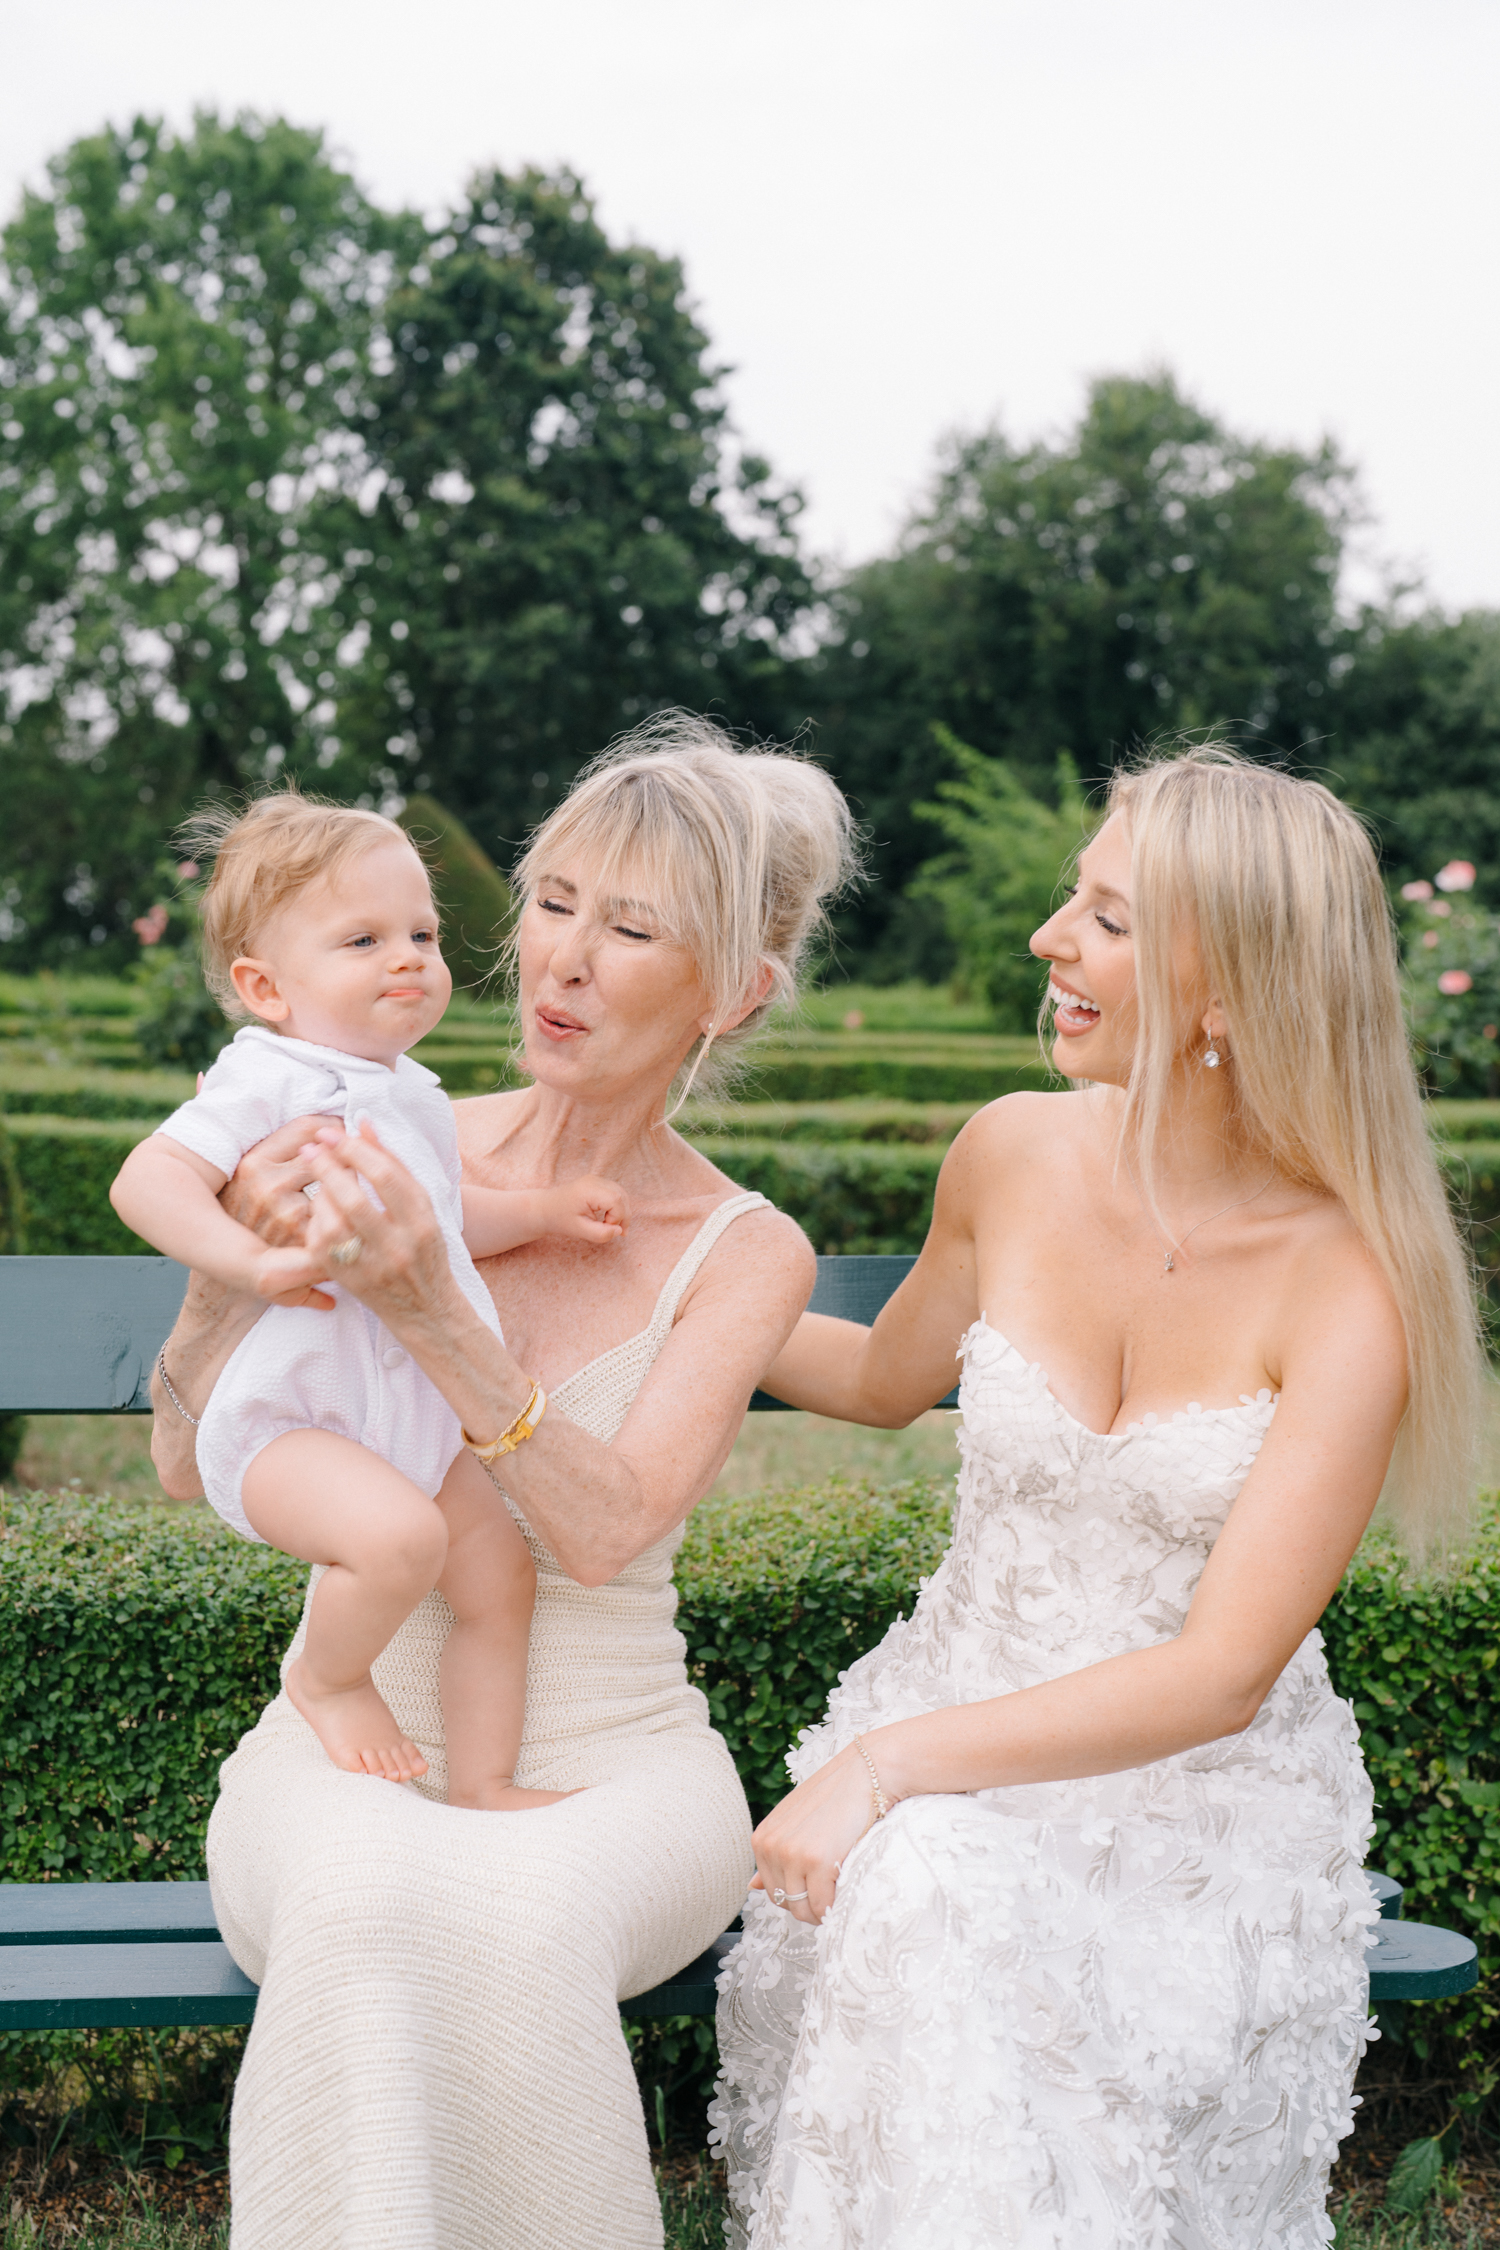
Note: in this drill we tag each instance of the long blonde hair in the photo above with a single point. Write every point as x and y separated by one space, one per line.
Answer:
738 850
1278 882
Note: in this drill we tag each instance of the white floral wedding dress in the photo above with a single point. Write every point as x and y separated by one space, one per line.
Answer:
1114 2014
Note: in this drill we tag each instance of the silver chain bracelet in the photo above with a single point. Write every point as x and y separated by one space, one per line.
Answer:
161 1369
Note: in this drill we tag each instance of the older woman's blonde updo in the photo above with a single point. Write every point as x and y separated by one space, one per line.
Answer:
737 850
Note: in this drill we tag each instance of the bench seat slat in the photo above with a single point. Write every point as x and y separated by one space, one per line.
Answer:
1411 1961
95 1987
106 1914
67 1986
692 1992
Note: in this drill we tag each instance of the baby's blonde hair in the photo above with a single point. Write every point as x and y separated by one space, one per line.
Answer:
1278 883
263 855
736 850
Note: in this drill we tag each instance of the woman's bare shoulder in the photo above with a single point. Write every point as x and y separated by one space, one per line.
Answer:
1333 1283
1020 1132
1020 1121
760 1258
1329 1327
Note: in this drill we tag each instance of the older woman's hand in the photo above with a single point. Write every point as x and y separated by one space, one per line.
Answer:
400 1263
268 1194
267 1191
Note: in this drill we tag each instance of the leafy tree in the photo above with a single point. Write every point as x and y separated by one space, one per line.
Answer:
563 540
1153 573
185 327
292 487
999 879
1417 744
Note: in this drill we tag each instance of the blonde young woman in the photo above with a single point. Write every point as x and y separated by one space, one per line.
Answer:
437 2061
1058 1943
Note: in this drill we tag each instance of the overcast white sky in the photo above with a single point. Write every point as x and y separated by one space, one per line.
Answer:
897 218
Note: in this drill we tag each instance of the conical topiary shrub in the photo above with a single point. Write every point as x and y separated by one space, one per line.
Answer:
473 894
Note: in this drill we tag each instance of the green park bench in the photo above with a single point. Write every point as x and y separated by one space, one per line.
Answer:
81 1336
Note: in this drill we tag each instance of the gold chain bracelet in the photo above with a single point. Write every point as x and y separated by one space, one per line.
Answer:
516 1433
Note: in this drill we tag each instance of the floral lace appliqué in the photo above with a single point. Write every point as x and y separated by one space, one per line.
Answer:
1115 2014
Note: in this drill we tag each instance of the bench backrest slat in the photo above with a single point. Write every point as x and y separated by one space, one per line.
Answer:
80 1335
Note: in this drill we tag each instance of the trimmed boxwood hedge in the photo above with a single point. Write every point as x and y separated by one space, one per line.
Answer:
870 1193
59 1090
923 1124
848 1196
137 1644
65 1166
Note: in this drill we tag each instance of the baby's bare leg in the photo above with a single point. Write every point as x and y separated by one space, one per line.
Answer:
328 1500
489 1583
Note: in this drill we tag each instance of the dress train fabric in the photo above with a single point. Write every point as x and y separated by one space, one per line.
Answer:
1114 2014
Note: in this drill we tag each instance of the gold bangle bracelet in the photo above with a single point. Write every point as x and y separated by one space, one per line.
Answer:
516 1433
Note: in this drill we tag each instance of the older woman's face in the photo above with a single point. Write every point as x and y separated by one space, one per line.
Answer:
609 1001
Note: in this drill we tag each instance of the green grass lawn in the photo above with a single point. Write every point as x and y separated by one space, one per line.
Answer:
692 2216
773 1453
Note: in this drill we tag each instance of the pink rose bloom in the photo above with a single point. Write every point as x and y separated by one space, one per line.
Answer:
1429 937
1458 875
1455 981
1416 890
188 871
150 926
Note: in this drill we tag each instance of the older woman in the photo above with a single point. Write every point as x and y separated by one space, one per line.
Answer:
437 2060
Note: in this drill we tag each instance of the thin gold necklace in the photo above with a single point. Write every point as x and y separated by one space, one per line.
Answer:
1172 1248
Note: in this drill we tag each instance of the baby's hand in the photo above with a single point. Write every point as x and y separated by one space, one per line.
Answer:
588 1210
291 1277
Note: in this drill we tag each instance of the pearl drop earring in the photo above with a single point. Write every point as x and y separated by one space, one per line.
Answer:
1213 1058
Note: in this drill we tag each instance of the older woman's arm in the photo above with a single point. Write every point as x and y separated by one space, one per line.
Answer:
212 1321
266 1194
597 1506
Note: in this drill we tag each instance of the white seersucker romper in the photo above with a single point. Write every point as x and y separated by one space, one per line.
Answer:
300 1369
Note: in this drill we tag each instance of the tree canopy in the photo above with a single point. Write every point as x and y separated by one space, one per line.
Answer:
1152 573
407 508
290 486
184 353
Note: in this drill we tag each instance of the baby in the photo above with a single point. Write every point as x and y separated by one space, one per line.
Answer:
322 1437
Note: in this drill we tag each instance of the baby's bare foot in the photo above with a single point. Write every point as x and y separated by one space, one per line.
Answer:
355 1727
504 1796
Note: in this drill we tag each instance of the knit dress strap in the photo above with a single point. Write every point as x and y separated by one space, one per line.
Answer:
692 1258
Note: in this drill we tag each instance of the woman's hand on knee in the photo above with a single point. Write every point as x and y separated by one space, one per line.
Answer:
800 1847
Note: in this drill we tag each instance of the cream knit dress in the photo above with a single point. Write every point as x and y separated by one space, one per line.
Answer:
437 2061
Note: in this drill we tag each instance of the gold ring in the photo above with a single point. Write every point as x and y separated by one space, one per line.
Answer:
347 1253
